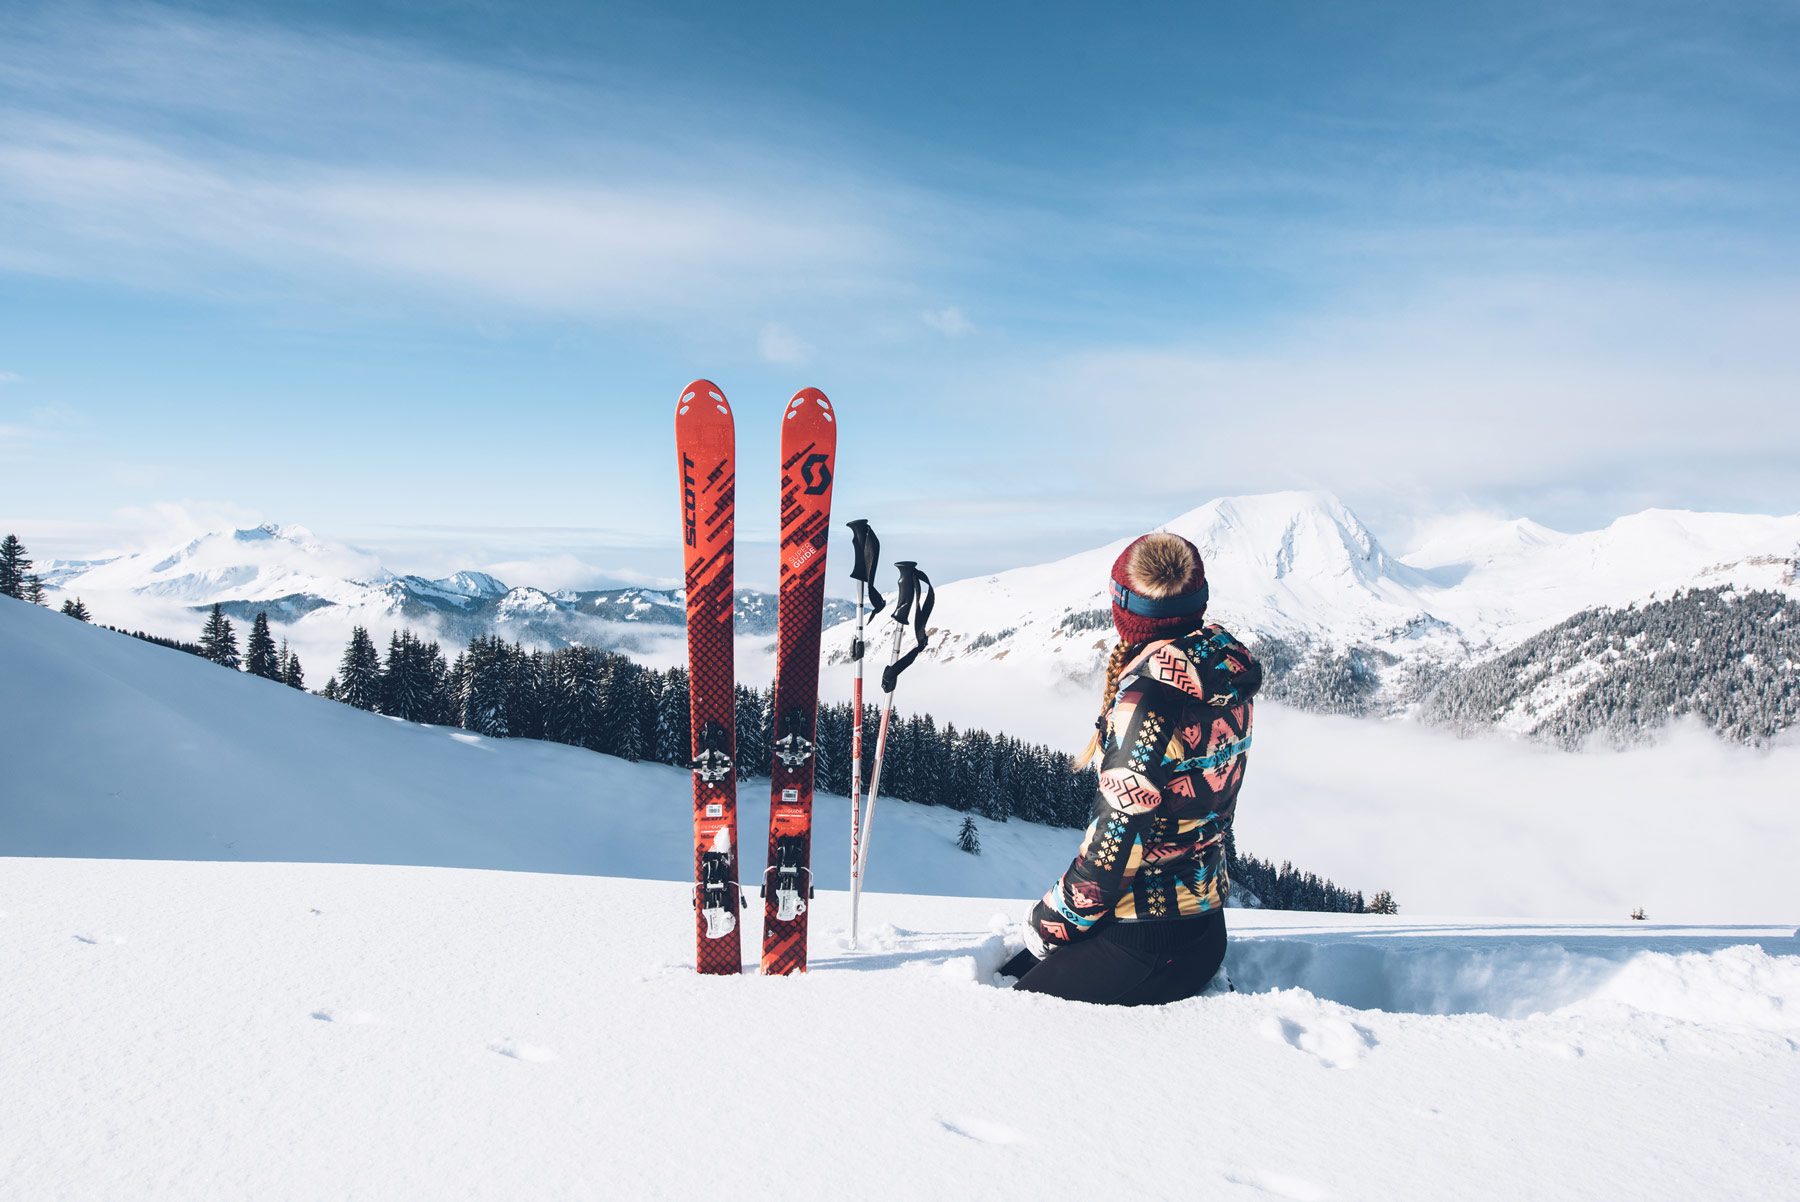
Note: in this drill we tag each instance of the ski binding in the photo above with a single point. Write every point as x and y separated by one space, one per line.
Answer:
713 763
716 894
793 751
791 891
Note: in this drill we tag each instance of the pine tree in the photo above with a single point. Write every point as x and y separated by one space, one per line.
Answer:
752 747
359 672
291 675
525 699
486 683
15 567
218 641
412 679
260 657
75 609
331 691
969 839
1381 903
34 591
672 719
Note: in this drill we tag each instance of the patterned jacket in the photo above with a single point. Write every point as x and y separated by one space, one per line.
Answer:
1176 738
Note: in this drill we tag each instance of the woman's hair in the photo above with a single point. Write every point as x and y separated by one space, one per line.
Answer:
1115 665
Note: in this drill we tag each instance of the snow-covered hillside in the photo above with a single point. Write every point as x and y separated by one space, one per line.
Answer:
271 1031
120 748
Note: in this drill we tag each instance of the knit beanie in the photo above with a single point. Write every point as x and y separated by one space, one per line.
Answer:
1158 588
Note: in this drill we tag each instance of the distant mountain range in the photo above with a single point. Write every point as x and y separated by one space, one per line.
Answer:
1343 624
304 583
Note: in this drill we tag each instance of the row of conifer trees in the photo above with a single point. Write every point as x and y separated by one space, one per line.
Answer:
608 703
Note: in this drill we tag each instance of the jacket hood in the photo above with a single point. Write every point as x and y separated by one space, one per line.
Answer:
1208 664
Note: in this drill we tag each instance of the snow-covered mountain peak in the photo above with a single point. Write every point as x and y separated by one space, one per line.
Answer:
472 584
1286 534
1473 539
525 602
253 563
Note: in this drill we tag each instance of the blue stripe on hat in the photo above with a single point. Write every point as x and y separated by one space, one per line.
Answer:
1159 607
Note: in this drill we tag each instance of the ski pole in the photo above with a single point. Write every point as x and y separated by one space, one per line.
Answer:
867 555
904 606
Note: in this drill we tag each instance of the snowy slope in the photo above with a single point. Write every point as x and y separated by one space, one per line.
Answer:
229 1031
121 748
1511 587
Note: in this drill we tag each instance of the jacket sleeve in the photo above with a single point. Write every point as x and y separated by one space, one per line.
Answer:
1132 778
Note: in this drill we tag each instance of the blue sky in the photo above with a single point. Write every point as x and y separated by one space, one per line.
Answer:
429 277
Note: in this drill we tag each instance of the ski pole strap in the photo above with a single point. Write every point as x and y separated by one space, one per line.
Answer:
867 558
909 595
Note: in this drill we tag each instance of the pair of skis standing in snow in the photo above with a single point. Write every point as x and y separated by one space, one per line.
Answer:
705 442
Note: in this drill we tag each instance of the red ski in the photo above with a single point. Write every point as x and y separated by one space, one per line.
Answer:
705 445
808 458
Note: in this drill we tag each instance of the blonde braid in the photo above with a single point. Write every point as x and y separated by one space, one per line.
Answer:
1115 665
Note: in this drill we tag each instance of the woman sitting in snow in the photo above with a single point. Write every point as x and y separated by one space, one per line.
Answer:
1138 918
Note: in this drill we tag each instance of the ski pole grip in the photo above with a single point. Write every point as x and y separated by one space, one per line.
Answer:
909 594
903 593
865 560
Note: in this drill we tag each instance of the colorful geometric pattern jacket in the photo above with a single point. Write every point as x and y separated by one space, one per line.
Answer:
1176 738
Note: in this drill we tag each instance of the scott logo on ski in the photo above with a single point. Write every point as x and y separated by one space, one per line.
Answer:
816 471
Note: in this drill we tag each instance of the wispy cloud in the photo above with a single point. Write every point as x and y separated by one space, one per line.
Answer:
949 322
10 377
97 203
612 216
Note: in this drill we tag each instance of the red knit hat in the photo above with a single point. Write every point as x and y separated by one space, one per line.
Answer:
1158 588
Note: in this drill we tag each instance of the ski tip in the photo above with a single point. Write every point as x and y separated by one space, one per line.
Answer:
811 398
704 393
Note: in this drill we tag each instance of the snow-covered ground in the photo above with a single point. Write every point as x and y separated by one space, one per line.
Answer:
207 1029
225 1031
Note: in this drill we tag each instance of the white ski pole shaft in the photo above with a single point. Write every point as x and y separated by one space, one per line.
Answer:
856 744
887 714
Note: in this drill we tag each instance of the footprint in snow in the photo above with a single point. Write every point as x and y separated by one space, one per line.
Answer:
95 940
350 1018
1279 1184
529 1052
982 1131
1335 1042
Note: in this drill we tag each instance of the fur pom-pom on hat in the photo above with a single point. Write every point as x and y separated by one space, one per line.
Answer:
1158 588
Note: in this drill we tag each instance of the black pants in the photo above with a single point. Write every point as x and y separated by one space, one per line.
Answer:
1130 963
